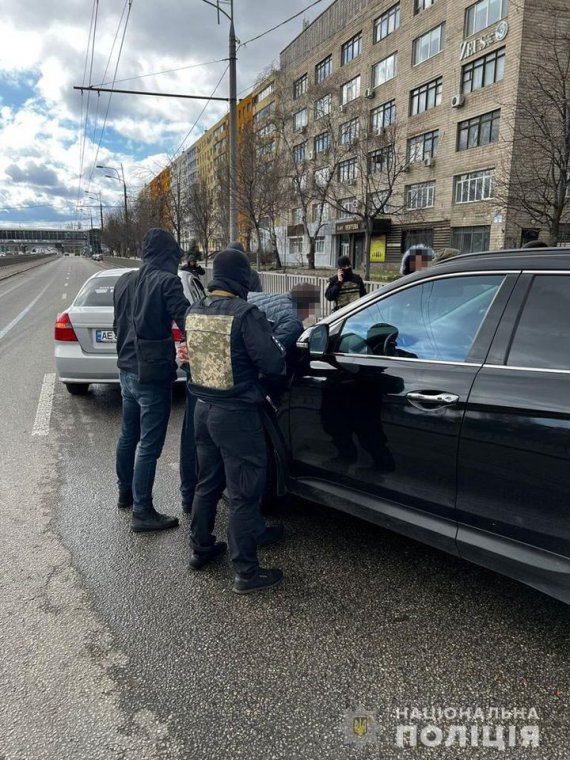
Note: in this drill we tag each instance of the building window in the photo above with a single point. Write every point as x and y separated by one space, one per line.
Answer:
423 146
384 70
323 106
382 116
481 130
297 216
349 132
264 113
347 170
296 246
300 120
470 239
265 93
425 97
421 5
323 70
265 150
380 160
417 237
350 90
475 186
322 176
268 129
300 86
320 244
321 212
428 45
299 152
346 207
351 49
322 142
421 195
484 13
387 23
484 71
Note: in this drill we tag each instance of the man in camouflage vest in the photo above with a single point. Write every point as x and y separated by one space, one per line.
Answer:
230 343
345 287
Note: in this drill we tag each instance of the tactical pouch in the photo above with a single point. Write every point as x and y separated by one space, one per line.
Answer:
154 360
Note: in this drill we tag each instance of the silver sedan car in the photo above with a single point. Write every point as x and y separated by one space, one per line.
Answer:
85 344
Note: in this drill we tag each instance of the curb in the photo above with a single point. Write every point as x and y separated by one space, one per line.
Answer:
31 265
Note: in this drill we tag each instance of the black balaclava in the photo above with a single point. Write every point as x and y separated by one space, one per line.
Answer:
344 261
232 272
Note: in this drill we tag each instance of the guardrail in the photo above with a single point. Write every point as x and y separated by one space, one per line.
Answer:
23 258
282 282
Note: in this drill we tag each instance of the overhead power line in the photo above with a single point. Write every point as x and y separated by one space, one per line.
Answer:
287 20
167 71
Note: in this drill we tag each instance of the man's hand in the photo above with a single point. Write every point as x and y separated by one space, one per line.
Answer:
340 275
182 353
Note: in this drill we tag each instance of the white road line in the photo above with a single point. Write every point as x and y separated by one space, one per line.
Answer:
45 404
64 296
22 314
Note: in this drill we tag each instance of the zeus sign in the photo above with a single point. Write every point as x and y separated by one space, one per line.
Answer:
472 47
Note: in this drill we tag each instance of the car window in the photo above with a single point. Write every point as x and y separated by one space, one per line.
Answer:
97 292
192 287
542 337
434 320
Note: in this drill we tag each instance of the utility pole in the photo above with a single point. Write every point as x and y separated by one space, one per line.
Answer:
234 230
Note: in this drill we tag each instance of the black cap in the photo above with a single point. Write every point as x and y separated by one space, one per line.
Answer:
344 261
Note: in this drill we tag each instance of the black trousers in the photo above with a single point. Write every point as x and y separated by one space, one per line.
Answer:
188 464
232 454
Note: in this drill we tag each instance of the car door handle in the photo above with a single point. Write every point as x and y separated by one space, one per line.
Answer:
441 399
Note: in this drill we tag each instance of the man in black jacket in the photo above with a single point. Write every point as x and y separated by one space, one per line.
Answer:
229 344
146 302
345 287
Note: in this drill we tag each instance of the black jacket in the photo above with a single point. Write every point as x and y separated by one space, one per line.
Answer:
230 344
152 297
351 289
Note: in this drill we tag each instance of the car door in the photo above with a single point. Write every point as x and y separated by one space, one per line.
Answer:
380 413
514 457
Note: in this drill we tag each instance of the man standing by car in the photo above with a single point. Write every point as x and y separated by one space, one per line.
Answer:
345 287
146 303
229 344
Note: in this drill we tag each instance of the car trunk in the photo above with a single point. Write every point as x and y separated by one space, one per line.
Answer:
93 326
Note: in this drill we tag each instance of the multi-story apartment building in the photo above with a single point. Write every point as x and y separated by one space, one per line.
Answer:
445 77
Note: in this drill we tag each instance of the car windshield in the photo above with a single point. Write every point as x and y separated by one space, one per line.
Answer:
97 292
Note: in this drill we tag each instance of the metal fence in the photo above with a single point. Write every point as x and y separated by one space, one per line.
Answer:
278 282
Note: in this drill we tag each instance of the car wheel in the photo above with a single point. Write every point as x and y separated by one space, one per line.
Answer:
77 389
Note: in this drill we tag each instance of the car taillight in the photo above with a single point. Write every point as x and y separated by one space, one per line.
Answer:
63 328
176 333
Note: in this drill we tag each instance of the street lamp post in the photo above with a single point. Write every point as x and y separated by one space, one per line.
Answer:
97 196
233 222
121 178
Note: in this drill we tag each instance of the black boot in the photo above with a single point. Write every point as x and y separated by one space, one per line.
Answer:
264 578
152 520
125 498
199 561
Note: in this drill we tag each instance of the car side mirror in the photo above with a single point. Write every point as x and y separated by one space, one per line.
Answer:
319 341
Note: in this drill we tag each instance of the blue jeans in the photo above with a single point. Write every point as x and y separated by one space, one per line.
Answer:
146 410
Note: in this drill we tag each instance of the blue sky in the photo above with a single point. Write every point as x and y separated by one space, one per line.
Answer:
51 136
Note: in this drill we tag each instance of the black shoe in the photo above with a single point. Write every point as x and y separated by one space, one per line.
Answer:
187 508
264 578
125 499
152 521
199 561
271 536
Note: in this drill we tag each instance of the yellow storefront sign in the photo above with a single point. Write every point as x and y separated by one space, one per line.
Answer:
378 248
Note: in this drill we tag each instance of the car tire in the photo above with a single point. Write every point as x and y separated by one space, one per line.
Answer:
77 389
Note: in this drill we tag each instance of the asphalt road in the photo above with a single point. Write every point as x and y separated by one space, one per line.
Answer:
110 648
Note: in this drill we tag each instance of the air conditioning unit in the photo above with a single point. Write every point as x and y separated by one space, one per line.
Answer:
429 161
311 155
369 93
341 108
351 182
457 101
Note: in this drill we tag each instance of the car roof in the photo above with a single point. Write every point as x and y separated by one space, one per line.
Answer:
543 259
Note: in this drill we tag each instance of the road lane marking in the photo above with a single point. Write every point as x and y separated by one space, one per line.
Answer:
45 405
23 313
64 296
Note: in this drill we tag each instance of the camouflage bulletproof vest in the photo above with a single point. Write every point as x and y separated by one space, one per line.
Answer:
209 341
349 292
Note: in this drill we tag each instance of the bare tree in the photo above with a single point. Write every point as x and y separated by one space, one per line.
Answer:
539 184
202 213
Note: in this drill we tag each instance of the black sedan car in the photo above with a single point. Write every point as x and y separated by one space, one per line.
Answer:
439 407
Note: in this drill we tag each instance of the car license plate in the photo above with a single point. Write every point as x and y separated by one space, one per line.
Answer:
105 336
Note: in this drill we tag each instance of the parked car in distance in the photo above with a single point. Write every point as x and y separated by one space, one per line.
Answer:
438 407
97 257
85 344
